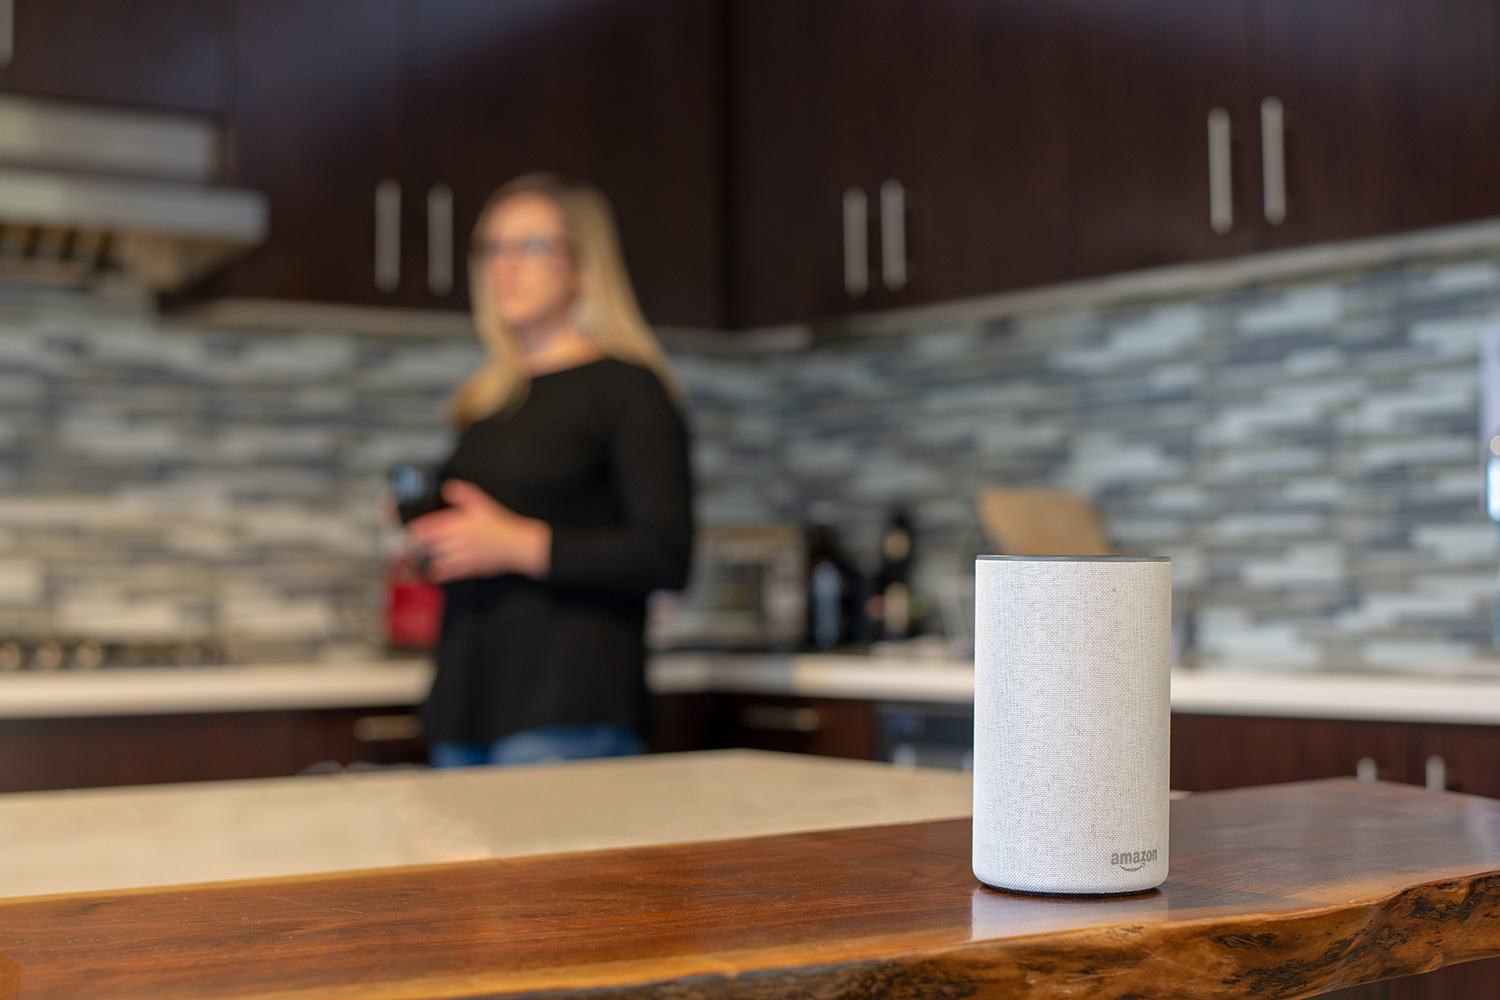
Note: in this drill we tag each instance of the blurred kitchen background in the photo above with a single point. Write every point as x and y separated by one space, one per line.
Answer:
1224 271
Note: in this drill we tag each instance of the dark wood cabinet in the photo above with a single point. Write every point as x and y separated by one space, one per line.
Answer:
1039 141
167 54
332 98
39 754
1467 756
1211 752
316 126
990 145
1392 113
1126 106
808 113
829 727
624 95
1033 142
1229 751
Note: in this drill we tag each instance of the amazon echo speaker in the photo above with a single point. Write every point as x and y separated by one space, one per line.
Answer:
1071 720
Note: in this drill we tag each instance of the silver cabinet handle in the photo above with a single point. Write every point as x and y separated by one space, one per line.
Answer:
440 239
893 235
781 718
1220 190
383 728
1273 159
7 31
1437 774
387 235
856 242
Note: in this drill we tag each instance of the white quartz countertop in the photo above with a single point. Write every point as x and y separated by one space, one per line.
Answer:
1473 700
179 690
117 838
168 690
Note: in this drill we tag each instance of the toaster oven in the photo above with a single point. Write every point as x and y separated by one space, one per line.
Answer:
747 590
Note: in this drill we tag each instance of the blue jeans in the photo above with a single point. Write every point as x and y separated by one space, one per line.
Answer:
545 743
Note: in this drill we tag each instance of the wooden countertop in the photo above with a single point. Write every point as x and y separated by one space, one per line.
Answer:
1282 891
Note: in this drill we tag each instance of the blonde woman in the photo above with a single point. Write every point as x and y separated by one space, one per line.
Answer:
569 494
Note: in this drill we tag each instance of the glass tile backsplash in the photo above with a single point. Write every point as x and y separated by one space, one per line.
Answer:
1306 451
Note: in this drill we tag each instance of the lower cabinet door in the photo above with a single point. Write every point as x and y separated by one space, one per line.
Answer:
39 754
830 727
1459 759
1219 751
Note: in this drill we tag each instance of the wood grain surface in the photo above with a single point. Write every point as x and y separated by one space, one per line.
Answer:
1282 891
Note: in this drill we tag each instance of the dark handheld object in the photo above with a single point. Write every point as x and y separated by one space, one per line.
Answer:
417 492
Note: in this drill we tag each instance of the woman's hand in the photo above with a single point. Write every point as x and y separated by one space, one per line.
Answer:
477 536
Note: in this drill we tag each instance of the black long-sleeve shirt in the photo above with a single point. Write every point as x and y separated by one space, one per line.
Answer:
600 453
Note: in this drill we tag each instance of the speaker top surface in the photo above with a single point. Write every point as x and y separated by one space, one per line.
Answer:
1072 558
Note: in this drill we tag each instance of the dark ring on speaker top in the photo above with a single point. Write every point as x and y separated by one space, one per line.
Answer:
1073 558
1106 895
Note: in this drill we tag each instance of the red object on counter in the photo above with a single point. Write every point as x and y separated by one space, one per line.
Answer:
413 606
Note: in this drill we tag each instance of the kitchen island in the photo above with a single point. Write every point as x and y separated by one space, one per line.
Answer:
852 884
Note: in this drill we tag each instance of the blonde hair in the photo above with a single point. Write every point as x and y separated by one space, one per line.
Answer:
606 308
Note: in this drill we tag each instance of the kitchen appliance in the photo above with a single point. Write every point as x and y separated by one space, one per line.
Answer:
1071 722
926 734
413 604
748 590
87 191
87 654
835 591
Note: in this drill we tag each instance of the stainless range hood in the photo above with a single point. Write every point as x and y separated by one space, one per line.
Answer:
88 192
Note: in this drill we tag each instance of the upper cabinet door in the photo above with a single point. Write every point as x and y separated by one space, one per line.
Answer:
1388 114
811 140
893 152
623 94
165 54
1144 109
1061 139
315 124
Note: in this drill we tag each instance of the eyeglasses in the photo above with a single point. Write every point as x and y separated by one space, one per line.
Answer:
533 248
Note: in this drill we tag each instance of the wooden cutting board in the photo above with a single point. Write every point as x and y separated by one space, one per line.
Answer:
1042 523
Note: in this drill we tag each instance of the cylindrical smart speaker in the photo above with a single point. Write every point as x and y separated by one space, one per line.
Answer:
1071 721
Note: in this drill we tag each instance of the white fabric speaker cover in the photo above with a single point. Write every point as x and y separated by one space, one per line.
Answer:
1071 721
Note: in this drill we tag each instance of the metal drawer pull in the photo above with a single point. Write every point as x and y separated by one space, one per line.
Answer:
893 235
1365 769
856 242
387 235
1273 159
1220 190
440 239
384 728
781 718
1437 774
7 31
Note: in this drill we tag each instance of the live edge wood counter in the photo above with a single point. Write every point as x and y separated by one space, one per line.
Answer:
1281 891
